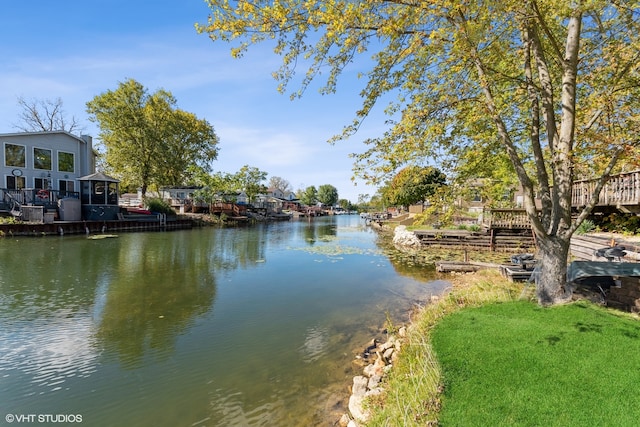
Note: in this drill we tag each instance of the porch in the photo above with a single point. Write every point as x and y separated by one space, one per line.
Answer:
14 201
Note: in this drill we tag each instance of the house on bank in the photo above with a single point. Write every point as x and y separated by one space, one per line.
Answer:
46 161
40 170
50 177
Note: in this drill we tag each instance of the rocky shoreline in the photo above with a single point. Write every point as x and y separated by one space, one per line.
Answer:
376 361
378 358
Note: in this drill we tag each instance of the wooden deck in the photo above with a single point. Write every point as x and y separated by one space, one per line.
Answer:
620 191
507 240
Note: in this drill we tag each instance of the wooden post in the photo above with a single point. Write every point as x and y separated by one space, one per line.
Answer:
492 242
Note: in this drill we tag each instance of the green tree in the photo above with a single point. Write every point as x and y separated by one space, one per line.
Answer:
345 204
414 184
327 195
147 139
250 180
189 145
309 196
214 185
553 83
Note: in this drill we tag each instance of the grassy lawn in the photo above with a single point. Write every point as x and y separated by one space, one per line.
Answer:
516 364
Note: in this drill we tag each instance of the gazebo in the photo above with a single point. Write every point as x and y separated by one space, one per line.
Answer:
99 197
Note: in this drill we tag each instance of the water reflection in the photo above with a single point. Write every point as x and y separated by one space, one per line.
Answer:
45 332
319 230
245 326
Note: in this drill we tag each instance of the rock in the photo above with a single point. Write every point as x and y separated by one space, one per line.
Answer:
356 408
369 370
388 353
390 342
380 361
403 237
374 381
345 419
358 392
359 385
370 383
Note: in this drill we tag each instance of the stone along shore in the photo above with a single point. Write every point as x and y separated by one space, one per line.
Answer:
376 361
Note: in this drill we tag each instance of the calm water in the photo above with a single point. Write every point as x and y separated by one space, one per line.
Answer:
254 326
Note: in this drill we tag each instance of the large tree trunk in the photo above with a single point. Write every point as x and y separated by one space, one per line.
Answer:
551 283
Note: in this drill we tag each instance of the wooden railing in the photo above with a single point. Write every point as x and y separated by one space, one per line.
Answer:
35 196
620 189
506 218
228 208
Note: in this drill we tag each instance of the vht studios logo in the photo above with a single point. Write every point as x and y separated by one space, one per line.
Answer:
43 418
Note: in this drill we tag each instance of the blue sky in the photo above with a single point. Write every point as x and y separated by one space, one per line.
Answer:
77 49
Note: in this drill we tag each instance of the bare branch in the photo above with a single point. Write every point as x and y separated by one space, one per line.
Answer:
44 116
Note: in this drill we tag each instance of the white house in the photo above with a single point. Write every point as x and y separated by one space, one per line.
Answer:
45 160
275 192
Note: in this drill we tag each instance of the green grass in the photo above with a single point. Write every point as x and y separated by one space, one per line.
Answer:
514 363
486 355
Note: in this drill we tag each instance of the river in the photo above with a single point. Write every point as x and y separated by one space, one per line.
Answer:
250 326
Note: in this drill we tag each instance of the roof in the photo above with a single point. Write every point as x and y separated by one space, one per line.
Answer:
98 176
52 132
182 187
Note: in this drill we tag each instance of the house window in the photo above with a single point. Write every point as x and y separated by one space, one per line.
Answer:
66 162
65 187
15 182
42 158
15 155
40 183
86 192
98 195
112 196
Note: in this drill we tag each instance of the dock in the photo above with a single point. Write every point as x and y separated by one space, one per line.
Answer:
90 227
513 272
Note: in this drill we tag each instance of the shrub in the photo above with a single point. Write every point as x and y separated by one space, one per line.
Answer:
160 206
9 220
587 226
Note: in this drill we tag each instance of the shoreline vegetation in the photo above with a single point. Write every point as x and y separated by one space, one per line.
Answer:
411 390
421 385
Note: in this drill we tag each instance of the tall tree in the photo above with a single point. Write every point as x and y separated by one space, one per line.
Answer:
147 139
327 194
280 184
43 115
309 196
190 144
250 180
414 184
554 83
